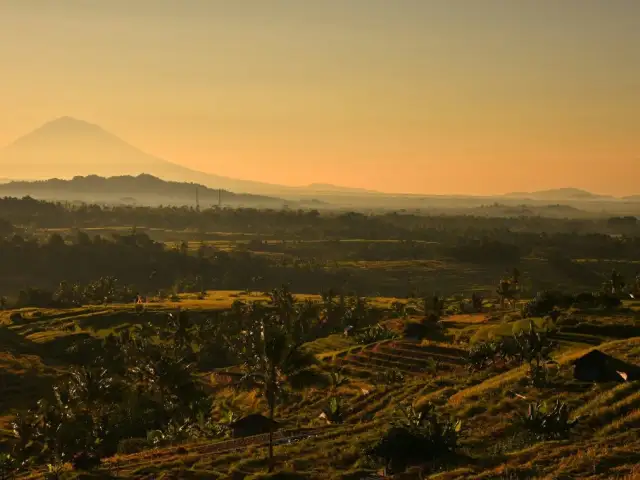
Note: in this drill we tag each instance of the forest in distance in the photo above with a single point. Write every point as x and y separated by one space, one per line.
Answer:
155 248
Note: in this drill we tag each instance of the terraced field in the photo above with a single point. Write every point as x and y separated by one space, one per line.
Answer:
604 445
405 356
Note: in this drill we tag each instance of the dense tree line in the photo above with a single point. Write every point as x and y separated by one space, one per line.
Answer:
134 259
310 247
304 224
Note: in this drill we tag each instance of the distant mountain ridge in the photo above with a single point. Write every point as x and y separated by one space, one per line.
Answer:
67 147
330 188
144 186
560 194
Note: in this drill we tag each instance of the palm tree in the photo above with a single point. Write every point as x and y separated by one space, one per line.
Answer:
180 331
506 292
273 361
617 282
331 311
283 302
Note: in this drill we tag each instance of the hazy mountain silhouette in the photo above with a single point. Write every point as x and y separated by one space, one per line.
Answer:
330 188
143 188
67 147
560 194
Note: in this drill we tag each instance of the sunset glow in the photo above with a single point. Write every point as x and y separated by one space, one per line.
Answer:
474 97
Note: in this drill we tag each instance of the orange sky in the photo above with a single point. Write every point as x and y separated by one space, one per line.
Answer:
429 96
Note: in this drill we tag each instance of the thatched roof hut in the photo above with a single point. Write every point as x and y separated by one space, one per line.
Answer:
596 366
254 424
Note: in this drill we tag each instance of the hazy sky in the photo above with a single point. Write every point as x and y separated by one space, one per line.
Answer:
434 96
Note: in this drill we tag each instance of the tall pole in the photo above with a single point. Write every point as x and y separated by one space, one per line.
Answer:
219 197
197 199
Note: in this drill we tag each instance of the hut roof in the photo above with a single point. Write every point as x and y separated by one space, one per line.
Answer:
597 360
251 420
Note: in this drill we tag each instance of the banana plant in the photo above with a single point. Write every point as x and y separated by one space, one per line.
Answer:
548 422
333 412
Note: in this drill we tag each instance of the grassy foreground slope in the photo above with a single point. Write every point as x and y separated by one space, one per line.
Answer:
605 443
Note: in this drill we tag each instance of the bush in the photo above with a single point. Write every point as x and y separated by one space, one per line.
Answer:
133 445
333 412
548 423
390 377
375 333
545 302
595 300
422 436
34 297
606 300
85 461
484 354
417 330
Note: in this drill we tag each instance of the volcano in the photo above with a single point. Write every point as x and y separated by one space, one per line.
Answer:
67 147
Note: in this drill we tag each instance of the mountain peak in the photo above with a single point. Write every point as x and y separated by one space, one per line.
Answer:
66 129
69 124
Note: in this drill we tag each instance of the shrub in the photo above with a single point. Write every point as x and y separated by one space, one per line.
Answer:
8 465
375 333
417 330
34 297
531 346
606 300
85 461
421 436
545 302
431 366
390 377
484 354
334 412
548 423
133 445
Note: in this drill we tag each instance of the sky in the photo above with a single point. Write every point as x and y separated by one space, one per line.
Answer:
415 96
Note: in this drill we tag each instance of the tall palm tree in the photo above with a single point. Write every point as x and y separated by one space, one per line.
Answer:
506 292
180 332
273 361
